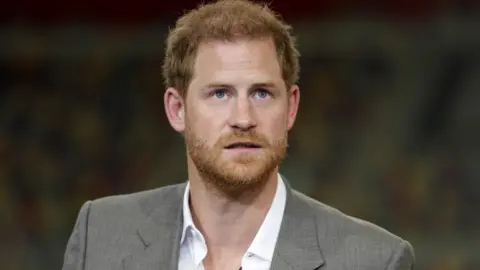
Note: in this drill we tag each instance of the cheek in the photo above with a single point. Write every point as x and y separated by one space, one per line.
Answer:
277 126
204 128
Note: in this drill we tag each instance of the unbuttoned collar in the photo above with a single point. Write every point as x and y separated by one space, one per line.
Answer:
263 245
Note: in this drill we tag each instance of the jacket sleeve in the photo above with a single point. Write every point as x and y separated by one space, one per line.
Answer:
74 258
403 258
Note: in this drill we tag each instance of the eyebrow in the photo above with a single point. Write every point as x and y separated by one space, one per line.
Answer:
255 85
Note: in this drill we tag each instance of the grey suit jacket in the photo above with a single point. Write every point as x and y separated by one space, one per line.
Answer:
142 231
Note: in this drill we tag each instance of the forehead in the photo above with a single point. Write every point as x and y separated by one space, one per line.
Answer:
238 60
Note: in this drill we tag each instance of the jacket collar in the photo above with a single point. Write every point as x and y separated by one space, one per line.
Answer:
298 242
297 245
159 232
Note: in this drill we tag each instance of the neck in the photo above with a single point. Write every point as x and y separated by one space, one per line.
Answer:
229 224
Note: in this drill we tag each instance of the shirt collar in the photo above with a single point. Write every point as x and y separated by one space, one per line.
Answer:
187 215
263 245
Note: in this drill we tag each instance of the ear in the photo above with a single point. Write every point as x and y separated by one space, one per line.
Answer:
293 103
175 109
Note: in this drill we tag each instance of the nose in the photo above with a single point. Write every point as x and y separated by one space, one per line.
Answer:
242 115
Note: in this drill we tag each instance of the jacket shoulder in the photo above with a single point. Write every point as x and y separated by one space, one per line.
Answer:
356 243
134 203
348 228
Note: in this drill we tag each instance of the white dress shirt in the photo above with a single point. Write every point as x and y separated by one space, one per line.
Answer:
193 248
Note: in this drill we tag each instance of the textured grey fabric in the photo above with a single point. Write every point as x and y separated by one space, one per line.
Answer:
142 231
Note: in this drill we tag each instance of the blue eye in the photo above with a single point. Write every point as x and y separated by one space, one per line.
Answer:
220 94
262 94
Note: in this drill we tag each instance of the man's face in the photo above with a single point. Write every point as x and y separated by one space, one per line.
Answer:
238 113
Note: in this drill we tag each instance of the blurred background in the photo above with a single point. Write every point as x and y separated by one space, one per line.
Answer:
388 128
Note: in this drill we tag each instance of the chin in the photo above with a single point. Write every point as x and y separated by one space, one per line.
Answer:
245 173
234 178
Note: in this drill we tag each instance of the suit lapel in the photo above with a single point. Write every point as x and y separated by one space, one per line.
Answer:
160 233
298 241
297 245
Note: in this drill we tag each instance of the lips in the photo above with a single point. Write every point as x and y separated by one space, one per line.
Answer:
240 145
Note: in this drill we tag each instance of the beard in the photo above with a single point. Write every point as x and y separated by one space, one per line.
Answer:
234 175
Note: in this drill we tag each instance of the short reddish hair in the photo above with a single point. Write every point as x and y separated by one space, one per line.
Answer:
226 20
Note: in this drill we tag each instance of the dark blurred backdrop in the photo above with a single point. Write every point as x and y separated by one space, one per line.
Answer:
388 128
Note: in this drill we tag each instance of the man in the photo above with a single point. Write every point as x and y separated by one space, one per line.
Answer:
230 68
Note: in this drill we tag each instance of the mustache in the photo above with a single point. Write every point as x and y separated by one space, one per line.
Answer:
250 136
